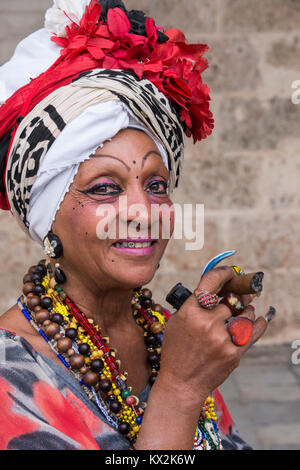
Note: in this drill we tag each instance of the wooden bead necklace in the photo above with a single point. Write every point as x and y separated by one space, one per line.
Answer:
80 346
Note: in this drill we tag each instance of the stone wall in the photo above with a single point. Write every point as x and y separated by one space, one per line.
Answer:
246 174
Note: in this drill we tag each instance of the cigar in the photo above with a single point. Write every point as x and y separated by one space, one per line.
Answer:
244 284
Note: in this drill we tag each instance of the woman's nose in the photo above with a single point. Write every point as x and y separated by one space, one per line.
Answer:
136 211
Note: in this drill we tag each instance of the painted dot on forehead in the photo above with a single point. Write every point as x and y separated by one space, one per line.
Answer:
134 162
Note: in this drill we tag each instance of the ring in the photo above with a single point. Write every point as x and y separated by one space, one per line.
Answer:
207 300
238 270
234 302
240 330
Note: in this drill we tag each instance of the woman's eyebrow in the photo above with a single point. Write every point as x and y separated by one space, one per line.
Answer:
127 167
111 156
148 155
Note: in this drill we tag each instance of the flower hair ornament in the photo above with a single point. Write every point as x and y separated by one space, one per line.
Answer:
94 65
118 39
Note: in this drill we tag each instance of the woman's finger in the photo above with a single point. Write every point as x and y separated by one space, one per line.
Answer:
248 312
214 280
249 298
261 324
260 327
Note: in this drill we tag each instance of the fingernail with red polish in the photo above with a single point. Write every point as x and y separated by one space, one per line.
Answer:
270 314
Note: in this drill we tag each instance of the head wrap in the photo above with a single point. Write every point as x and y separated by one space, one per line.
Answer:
119 96
106 78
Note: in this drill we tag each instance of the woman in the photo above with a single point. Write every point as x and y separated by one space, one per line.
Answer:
104 122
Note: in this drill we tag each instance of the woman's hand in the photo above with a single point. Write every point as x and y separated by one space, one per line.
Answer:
197 353
197 356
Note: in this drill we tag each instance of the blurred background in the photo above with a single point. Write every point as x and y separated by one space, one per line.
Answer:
247 175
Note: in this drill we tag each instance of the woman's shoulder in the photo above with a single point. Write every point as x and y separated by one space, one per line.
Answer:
19 363
14 327
8 319
8 334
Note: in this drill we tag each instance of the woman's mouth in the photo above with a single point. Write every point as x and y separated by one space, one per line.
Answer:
137 247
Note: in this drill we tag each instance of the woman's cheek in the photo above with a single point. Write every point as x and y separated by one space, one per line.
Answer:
82 218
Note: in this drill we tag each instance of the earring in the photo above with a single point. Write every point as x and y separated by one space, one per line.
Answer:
53 246
59 275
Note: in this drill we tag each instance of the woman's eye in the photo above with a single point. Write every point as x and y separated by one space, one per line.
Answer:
158 187
105 189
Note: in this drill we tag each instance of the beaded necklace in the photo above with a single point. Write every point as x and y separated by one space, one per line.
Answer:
85 352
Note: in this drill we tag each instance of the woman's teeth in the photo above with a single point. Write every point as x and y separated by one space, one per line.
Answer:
133 245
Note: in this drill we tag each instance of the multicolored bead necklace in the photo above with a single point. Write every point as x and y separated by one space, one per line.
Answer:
80 346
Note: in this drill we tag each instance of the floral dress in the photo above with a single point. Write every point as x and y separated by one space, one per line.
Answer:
44 408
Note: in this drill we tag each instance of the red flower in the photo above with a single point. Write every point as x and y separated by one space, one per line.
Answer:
178 90
180 79
174 67
97 47
151 32
118 24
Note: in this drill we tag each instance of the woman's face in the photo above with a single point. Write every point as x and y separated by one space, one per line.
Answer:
126 171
